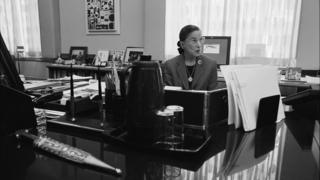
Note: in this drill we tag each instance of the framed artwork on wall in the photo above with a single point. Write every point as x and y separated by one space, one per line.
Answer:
133 54
102 16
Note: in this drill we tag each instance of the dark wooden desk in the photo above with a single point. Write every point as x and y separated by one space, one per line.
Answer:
288 155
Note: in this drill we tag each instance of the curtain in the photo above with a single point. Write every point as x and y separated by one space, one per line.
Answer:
19 26
268 24
7 68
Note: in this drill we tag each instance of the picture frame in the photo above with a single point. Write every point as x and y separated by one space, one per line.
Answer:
133 54
102 16
101 58
293 73
218 48
79 53
116 55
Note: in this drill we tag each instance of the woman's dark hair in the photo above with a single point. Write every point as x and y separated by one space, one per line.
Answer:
184 33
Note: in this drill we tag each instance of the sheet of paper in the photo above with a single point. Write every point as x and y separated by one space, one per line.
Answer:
254 84
211 48
312 80
233 104
225 70
75 78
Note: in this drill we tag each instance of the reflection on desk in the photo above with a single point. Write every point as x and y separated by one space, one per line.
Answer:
284 160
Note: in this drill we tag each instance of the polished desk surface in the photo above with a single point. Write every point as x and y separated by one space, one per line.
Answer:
285 153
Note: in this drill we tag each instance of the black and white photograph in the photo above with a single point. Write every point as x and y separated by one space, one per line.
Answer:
116 55
133 54
78 53
187 90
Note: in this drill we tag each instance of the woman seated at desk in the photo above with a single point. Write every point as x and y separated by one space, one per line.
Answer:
191 69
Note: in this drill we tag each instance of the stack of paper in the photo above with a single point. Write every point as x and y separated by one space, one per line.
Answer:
75 78
312 80
246 85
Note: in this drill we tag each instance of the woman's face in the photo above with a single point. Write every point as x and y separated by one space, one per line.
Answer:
192 44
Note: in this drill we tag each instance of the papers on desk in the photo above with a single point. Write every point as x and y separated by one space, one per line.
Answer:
306 79
90 90
311 80
52 114
75 78
246 85
38 84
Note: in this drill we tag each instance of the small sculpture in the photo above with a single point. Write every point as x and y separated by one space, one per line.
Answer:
59 60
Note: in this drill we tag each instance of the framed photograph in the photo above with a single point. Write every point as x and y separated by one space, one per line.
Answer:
102 16
101 58
79 53
116 55
218 48
293 73
133 54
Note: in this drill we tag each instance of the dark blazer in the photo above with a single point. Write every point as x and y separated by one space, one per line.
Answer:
205 75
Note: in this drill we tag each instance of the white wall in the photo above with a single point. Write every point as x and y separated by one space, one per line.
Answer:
49 27
73 27
308 40
155 28
34 69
